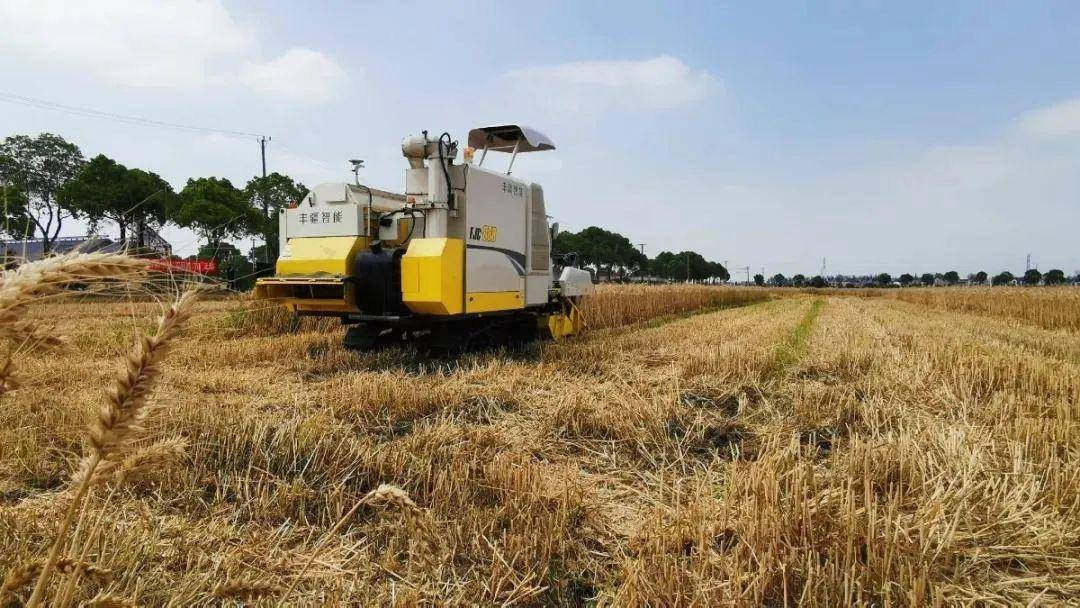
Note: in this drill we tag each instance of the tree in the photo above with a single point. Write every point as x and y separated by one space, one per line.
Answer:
233 267
16 218
1054 277
759 280
818 282
906 279
1032 277
106 190
951 277
270 195
883 279
717 271
1003 278
980 277
779 280
39 167
798 280
215 210
927 279
602 249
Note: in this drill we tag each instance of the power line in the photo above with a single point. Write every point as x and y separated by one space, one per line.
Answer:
136 120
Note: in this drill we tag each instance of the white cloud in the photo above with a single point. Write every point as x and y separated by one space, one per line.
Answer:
299 75
172 43
176 44
661 82
1059 120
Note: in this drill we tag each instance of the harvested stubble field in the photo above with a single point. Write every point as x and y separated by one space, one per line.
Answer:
806 449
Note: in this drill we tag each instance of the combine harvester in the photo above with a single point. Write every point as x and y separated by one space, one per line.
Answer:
462 259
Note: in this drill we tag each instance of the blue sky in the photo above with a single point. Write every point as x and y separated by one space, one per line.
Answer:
900 137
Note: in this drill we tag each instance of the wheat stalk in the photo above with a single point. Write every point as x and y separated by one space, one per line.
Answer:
119 420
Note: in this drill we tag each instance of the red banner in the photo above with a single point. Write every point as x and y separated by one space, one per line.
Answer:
192 266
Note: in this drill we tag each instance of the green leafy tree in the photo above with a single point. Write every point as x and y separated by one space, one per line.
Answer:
779 280
818 282
131 198
883 279
798 280
1003 278
269 195
759 280
927 279
1032 277
951 277
39 167
717 271
607 251
979 278
566 242
906 279
216 210
16 218
234 268
1054 277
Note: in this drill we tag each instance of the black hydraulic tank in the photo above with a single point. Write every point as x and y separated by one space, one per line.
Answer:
377 278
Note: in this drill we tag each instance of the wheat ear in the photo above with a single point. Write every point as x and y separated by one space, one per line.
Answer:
35 279
245 589
24 574
110 600
118 421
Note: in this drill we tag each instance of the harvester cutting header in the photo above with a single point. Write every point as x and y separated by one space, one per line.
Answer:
462 257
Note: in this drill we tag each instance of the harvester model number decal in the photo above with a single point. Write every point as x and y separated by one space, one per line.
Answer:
483 233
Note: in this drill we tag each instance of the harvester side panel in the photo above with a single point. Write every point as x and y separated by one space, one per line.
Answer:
320 256
431 276
538 278
496 217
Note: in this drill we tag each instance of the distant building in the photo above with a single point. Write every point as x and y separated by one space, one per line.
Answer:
29 250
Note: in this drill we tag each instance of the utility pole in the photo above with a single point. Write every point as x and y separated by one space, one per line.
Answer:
641 246
1027 264
687 266
822 268
262 147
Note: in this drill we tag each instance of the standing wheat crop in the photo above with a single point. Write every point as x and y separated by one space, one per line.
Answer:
118 422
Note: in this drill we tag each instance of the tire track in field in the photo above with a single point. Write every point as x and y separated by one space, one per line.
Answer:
794 346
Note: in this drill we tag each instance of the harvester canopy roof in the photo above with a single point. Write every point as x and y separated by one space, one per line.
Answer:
506 137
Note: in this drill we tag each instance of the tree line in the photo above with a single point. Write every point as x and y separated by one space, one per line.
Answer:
45 180
613 256
1030 277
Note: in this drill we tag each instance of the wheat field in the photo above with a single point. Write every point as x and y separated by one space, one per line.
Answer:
775 448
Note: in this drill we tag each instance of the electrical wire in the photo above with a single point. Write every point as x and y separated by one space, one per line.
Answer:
446 172
138 120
